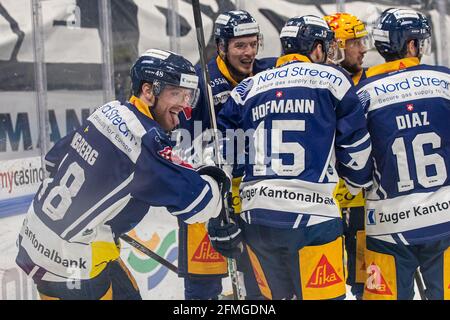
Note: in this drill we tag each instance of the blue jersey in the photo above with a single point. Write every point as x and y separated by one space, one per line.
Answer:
298 119
197 120
408 114
103 178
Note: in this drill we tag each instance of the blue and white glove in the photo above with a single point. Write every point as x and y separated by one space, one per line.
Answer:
226 238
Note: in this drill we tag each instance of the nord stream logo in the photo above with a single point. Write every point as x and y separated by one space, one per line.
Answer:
140 263
414 82
292 72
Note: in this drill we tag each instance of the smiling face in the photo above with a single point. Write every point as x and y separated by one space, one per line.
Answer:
169 103
240 55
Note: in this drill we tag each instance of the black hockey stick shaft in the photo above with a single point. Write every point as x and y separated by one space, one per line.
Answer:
141 247
232 266
420 285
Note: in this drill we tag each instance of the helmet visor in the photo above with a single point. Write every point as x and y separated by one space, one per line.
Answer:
335 53
365 43
177 95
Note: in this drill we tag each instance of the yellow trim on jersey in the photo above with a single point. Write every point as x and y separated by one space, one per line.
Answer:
225 72
345 198
141 106
291 57
102 253
392 66
236 199
357 76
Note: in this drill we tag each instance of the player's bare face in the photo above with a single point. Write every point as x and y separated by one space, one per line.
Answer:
170 103
242 53
355 50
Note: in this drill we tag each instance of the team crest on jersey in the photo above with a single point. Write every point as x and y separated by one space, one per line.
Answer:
167 153
376 283
364 97
244 88
323 275
206 253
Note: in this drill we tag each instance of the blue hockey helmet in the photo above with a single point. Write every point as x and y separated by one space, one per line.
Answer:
300 35
232 24
396 27
161 68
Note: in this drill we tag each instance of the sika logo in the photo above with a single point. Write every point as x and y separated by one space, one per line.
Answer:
324 275
376 283
206 253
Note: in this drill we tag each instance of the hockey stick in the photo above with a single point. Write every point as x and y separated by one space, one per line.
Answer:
136 244
420 285
232 266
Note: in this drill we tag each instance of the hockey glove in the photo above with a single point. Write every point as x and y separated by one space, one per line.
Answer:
226 238
223 181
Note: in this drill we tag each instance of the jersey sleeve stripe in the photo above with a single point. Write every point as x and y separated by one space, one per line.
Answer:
357 143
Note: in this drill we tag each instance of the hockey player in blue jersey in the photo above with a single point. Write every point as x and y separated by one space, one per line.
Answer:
104 177
237 37
304 127
408 210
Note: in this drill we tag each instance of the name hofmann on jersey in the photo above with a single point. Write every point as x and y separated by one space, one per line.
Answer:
283 106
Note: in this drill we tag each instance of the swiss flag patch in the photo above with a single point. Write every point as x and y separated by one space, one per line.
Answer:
279 94
410 107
